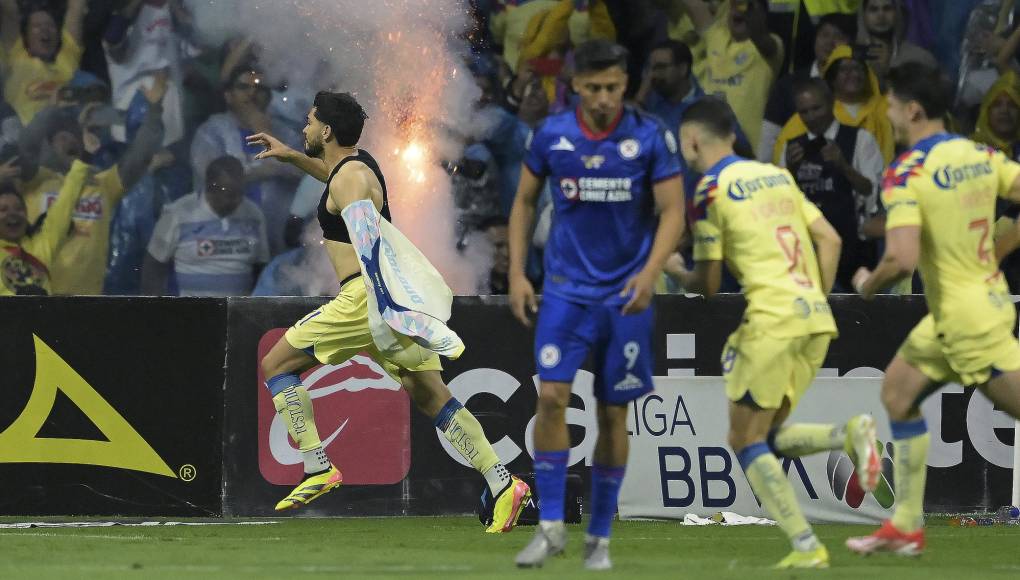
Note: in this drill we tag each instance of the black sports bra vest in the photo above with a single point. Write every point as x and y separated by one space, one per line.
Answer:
333 227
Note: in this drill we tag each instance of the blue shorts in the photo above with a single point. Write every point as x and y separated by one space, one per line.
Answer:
621 347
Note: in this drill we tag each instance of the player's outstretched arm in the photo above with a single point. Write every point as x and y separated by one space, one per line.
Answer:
669 201
522 217
827 247
275 149
902 249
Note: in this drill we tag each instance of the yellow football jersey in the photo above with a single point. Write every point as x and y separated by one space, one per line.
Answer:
753 216
948 185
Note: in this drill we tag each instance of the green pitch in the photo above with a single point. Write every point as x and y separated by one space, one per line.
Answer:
457 548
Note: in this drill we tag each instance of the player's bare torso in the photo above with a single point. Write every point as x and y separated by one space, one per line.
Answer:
342 255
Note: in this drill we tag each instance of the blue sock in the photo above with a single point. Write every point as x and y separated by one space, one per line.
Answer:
282 382
551 480
605 490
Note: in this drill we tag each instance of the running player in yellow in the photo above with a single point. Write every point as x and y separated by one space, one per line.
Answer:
339 330
940 203
753 216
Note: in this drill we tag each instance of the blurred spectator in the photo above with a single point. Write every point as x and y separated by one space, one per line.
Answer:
547 43
58 137
998 123
475 187
950 25
881 32
831 31
216 240
26 253
507 142
134 223
140 41
998 126
859 102
838 167
509 24
669 87
495 230
302 271
41 58
743 58
10 125
269 184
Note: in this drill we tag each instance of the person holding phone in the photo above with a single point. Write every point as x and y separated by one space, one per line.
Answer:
838 167
881 38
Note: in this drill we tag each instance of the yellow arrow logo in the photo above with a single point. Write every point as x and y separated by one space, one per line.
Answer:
123 449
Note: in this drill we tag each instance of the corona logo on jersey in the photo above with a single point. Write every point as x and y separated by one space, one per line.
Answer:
950 176
124 448
842 477
362 415
742 189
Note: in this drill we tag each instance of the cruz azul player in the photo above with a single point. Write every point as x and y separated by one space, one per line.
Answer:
617 217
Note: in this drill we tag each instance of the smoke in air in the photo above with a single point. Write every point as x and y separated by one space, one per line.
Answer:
403 60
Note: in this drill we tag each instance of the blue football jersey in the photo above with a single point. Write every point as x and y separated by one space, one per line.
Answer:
604 217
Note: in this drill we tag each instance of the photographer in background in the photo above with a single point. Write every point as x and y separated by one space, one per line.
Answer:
838 167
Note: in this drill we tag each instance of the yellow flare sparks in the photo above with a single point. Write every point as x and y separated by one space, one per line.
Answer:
413 153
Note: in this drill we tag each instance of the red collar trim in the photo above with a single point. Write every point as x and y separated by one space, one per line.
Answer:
591 134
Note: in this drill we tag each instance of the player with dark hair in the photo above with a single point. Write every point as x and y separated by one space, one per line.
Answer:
753 216
618 215
940 198
339 330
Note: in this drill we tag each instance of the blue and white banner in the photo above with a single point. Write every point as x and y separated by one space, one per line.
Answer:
680 462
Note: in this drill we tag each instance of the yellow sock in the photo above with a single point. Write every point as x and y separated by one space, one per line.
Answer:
465 433
772 487
801 439
910 445
295 406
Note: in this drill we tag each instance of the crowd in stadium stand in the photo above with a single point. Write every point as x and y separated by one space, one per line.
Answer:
115 113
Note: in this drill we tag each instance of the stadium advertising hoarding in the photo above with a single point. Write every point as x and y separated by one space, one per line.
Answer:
130 406
359 414
112 406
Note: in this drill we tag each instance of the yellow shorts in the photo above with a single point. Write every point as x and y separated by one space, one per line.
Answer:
769 368
969 361
339 330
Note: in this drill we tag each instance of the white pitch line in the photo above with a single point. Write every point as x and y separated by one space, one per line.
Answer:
88 536
244 569
15 534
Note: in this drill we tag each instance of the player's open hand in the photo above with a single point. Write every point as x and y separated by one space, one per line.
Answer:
523 303
640 289
272 147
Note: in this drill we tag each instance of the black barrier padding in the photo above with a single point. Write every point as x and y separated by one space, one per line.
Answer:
160 364
157 362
